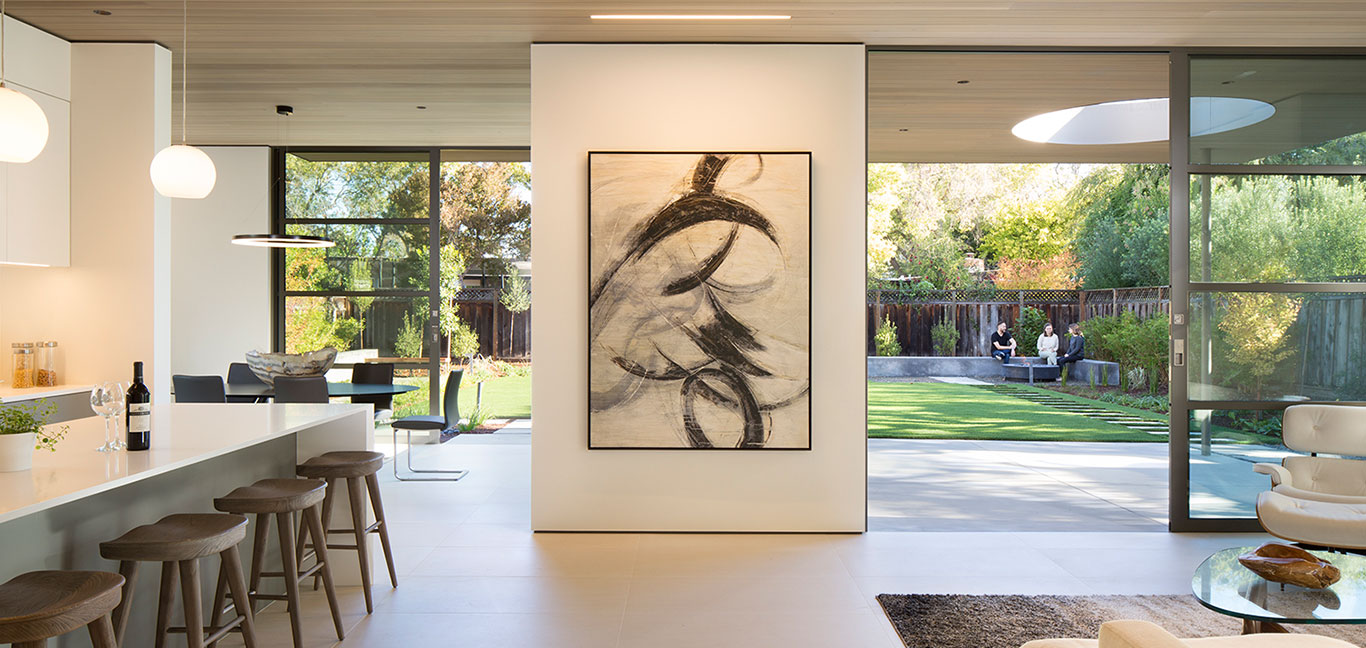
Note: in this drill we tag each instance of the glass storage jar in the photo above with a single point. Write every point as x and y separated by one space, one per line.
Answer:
22 376
45 369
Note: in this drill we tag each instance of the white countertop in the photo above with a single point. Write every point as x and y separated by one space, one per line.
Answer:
182 435
11 395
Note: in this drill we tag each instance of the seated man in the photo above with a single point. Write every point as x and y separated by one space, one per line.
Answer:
1002 344
1076 345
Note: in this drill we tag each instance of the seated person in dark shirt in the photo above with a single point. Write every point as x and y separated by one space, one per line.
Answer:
1002 344
1076 345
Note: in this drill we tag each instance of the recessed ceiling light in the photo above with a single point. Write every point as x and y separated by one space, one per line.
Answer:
689 17
1139 120
103 12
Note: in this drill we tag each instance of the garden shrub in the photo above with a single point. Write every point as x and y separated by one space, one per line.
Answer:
944 336
1028 329
408 344
885 339
1134 344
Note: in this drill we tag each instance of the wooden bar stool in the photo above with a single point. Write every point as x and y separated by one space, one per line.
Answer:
43 604
178 542
353 466
283 498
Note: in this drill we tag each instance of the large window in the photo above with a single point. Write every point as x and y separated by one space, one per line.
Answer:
408 255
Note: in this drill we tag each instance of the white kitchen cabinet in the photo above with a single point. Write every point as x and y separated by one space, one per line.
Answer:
37 205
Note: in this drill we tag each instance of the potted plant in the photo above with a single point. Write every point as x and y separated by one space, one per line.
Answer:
23 429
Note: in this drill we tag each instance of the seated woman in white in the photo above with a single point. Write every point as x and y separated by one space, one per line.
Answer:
1048 345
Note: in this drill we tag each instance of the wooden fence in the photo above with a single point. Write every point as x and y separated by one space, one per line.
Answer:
503 334
1332 346
975 313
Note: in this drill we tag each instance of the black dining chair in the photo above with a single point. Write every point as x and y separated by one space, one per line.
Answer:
239 373
311 389
449 420
375 373
198 389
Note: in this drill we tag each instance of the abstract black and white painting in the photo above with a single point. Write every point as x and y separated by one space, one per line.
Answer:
699 305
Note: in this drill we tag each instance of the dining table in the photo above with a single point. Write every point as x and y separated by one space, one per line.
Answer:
262 391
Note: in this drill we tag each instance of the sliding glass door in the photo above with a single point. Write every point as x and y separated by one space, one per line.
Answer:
1268 266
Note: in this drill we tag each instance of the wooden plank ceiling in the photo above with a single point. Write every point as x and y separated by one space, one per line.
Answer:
356 70
959 107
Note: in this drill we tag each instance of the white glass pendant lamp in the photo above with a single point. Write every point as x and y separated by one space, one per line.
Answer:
181 170
23 126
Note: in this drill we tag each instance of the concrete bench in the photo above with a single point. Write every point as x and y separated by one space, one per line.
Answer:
1093 372
1106 373
1031 369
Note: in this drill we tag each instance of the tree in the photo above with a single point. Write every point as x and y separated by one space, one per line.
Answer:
516 297
1123 216
1033 231
1256 327
1057 273
486 213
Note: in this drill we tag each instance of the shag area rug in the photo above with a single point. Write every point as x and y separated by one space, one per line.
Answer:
962 621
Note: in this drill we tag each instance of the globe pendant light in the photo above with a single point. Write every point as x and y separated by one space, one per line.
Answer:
23 126
181 170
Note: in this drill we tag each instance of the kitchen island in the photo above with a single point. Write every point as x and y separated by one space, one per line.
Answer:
55 515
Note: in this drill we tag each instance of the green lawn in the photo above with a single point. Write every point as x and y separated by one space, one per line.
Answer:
946 411
507 397
1141 413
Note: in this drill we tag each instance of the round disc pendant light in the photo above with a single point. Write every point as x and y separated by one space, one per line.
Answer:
282 241
181 170
23 126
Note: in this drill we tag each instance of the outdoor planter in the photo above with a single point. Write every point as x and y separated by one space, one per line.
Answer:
16 452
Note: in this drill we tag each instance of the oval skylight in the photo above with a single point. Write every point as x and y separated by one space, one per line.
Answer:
1139 120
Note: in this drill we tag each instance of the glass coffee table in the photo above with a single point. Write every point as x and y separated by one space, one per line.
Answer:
1222 584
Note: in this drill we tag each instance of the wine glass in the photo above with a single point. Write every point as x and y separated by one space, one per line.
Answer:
107 401
120 440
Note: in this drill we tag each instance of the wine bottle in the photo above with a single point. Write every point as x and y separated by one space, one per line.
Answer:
138 420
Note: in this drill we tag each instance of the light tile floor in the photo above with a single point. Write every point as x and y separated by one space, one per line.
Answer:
471 574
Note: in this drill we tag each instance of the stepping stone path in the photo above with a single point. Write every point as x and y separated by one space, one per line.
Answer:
1155 428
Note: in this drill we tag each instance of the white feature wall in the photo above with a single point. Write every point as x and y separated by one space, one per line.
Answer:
698 98
220 292
112 305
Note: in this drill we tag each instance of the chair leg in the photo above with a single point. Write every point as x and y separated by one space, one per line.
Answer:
194 607
457 475
232 565
166 600
220 590
258 558
353 491
129 570
316 529
327 522
372 485
291 570
102 632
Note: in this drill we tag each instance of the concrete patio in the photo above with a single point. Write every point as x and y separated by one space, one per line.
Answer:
960 485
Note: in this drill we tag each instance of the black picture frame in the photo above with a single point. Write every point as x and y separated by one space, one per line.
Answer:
589 223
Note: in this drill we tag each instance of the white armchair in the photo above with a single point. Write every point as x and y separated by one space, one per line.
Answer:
1318 500
1142 634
